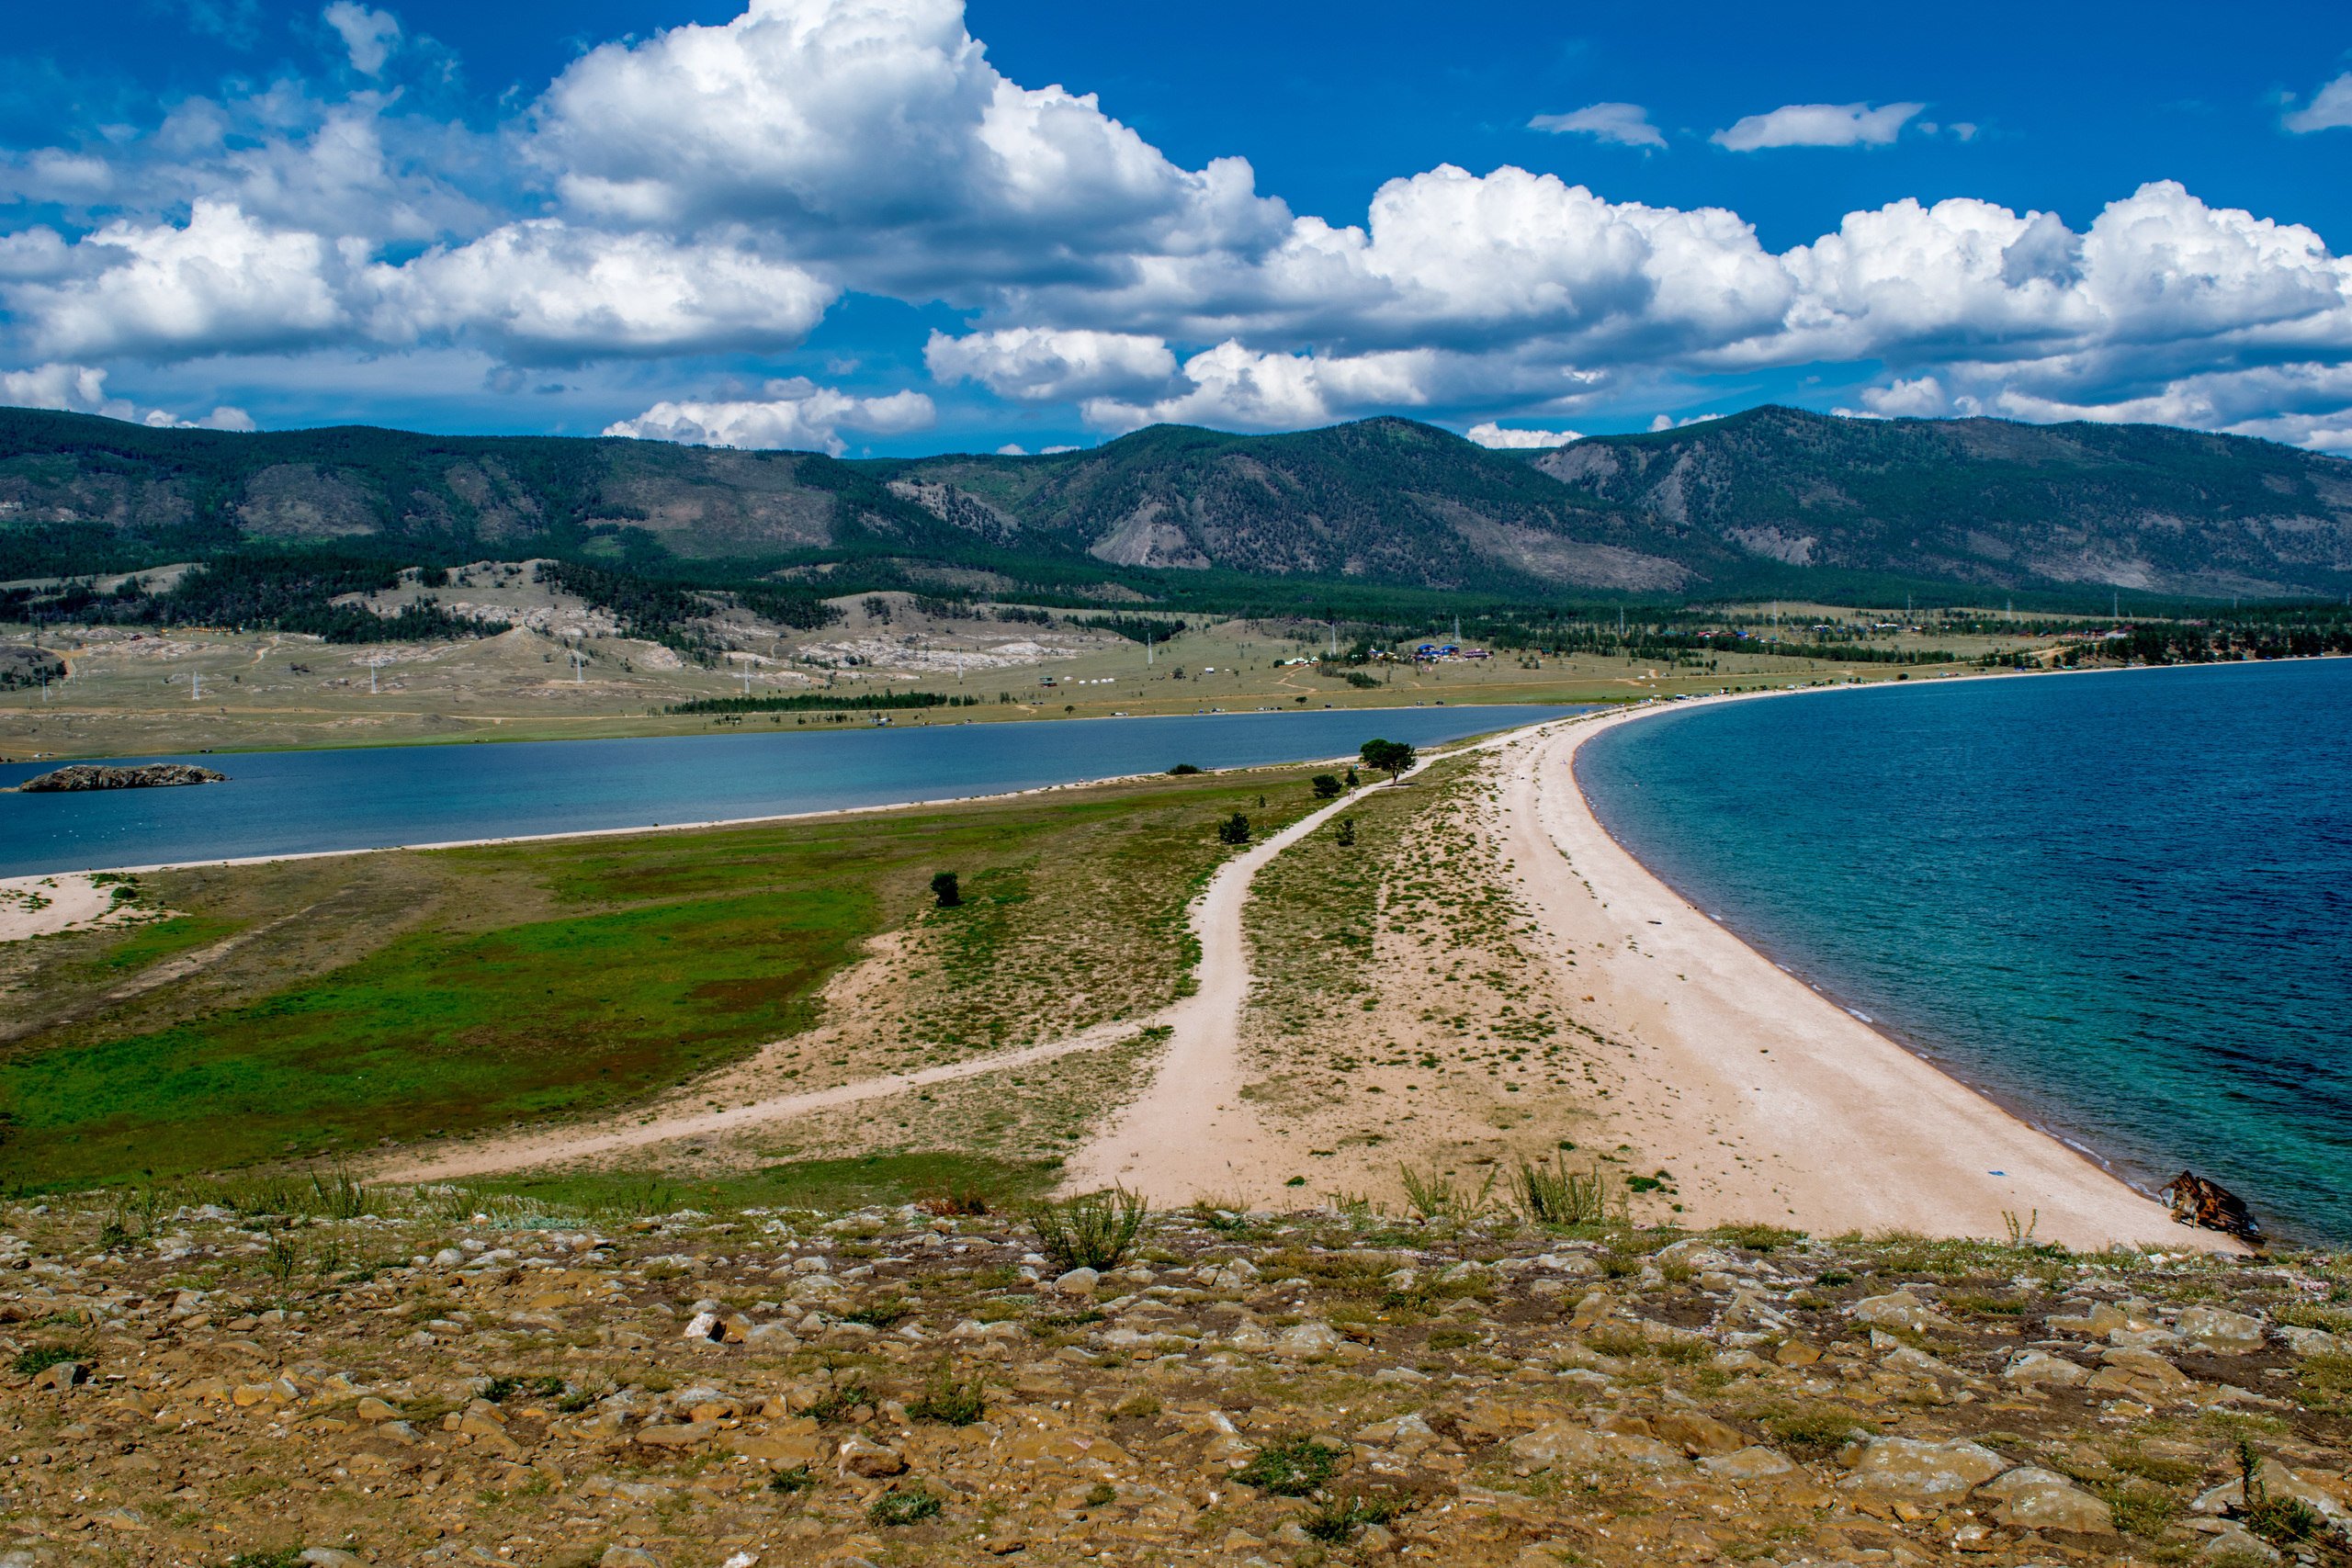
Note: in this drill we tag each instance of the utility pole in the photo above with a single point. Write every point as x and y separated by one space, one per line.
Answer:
196 695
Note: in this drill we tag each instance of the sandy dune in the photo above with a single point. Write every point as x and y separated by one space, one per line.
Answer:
58 901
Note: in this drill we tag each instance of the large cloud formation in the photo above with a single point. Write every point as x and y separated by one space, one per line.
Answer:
717 190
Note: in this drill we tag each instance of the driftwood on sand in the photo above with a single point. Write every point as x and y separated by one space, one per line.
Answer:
2197 1202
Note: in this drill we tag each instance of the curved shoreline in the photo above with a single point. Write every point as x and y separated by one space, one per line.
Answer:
1774 1102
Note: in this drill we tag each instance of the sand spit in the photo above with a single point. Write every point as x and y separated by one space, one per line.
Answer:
1768 1100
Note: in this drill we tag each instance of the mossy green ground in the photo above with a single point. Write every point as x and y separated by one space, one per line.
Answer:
425 992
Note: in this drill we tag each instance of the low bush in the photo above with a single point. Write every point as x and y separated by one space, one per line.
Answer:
1290 1467
1093 1230
910 1506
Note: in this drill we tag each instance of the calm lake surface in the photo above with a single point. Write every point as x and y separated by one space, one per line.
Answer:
2121 903
289 801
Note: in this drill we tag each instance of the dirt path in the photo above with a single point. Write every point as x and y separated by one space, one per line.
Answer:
1184 1136
565 1145
1202 1046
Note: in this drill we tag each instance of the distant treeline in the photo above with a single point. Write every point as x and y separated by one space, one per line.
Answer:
2270 635
811 702
254 590
669 612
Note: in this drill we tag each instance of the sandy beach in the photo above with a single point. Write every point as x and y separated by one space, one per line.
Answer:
1768 1100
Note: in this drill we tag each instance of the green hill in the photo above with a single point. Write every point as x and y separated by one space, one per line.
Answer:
1771 501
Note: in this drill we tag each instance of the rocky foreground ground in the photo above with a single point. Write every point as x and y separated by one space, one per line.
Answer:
894 1387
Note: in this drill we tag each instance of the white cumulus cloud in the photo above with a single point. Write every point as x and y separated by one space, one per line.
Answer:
2330 109
1494 435
1818 125
1627 125
794 414
1043 364
369 35
544 288
82 389
220 281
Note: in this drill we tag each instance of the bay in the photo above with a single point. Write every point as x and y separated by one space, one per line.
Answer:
2120 903
300 802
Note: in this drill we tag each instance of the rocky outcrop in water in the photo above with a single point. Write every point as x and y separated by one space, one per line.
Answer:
146 776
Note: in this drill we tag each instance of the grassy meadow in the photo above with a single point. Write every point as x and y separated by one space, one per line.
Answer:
326 1008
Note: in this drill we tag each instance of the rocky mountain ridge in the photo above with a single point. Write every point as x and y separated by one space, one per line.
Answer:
1773 501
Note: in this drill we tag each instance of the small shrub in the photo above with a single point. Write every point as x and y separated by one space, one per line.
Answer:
842 1397
1337 1521
1434 1196
1555 1195
1757 1238
1093 1230
1346 836
35 1360
1234 829
2283 1521
1101 1494
1290 1467
953 1202
1451 1339
1183 770
285 1557
884 1314
910 1506
1813 1434
949 1400
788 1483
944 888
1327 786
2139 1508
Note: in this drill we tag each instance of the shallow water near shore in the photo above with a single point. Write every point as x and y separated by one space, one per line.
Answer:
298 802
2120 903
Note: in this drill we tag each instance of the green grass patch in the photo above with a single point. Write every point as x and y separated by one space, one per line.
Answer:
159 939
439 1030
456 990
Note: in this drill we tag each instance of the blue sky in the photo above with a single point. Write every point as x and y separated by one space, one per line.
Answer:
874 225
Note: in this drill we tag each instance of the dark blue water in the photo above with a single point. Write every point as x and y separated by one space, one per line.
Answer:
2121 903
289 801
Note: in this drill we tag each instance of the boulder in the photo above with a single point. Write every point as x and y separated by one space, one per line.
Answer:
1078 1282
1568 1444
1899 1309
1698 1435
2218 1330
2033 1499
859 1456
1753 1463
2035 1369
1910 1467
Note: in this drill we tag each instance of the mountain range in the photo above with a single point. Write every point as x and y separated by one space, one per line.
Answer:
1771 499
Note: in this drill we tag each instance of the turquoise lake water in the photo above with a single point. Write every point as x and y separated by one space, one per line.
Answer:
2121 903
290 802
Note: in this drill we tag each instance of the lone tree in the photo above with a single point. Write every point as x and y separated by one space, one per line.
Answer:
1346 836
1326 787
1234 829
1390 756
944 888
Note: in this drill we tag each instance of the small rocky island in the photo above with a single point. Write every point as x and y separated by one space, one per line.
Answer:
145 775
